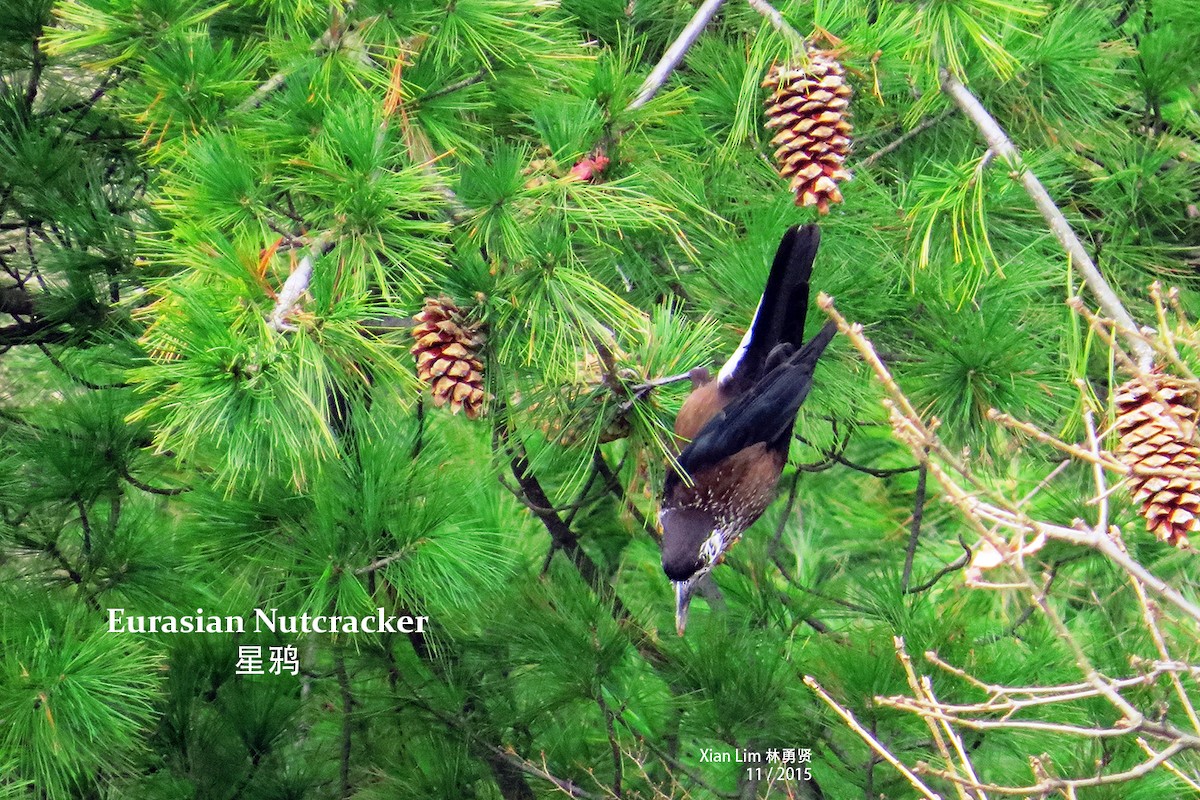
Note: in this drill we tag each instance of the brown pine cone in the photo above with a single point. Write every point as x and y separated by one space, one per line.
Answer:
1157 428
447 354
809 106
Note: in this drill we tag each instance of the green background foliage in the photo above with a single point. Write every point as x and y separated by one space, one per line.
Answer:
165 165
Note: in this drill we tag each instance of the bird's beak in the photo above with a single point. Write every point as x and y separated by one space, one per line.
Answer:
683 596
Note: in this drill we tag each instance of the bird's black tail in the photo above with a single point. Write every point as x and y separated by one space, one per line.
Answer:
782 309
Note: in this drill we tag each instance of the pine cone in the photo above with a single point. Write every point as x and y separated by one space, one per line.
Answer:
542 169
808 104
447 356
1157 428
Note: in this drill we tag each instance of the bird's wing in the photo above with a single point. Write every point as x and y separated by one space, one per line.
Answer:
766 413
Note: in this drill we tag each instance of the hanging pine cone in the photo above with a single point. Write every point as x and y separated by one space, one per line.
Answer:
808 104
1157 428
447 356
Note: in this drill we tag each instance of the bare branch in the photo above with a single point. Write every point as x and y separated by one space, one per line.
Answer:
918 689
674 54
871 741
1006 527
1168 335
955 739
1066 785
1171 768
920 435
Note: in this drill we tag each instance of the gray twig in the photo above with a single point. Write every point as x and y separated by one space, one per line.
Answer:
264 91
329 40
914 535
674 54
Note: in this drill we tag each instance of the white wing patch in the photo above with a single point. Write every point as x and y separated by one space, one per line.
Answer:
732 364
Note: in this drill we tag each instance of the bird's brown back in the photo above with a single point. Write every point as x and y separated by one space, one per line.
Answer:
701 405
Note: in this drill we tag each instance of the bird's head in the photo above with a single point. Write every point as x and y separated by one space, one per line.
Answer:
692 545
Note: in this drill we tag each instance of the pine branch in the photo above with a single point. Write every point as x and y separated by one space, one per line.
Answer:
506 755
561 534
576 505
561 784
37 66
85 105
86 525
639 392
329 40
612 479
51 549
260 95
41 331
531 491
145 487
1001 145
16 300
613 744
902 412
671 764
509 780
837 455
774 547
953 566
572 508
675 53
789 504
61 367
470 80
794 37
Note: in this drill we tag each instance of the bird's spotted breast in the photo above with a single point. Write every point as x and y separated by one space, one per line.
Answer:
721 490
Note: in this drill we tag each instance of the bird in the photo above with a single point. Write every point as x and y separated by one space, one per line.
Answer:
738 426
